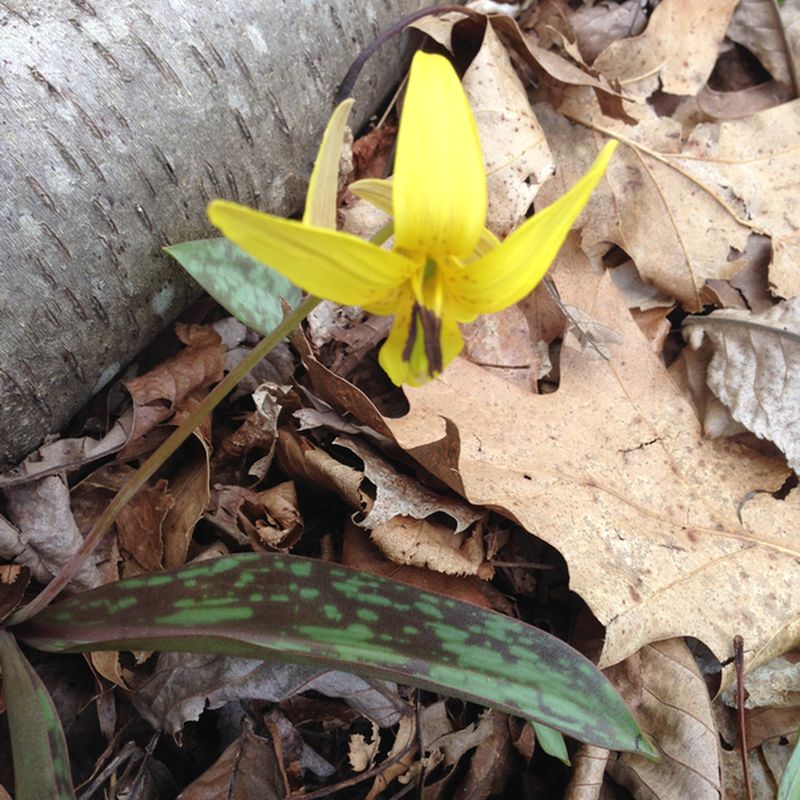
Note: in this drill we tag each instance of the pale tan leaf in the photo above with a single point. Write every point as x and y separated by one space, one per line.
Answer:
679 210
676 52
675 710
360 752
404 740
397 494
515 151
755 369
421 543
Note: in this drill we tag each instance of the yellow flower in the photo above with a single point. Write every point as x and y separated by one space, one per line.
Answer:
445 267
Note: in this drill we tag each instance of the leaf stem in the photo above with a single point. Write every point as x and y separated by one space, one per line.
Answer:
159 457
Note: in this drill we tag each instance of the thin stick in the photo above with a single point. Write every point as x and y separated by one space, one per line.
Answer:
157 459
738 648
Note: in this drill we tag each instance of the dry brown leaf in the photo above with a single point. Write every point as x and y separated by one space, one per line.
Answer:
157 394
183 685
360 752
676 52
675 710
248 768
404 740
775 684
41 532
302 460
755 369
764 27
597 26
283 525
612 470
678 211
771 723
515 151
68 454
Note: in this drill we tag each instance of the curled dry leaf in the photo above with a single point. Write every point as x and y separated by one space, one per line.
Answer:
69 454
183 685
397 494
157 394
675 709
422 543
515 151
765 28
359 552
597 26
360 752
676 52
755 369
403 740
41 532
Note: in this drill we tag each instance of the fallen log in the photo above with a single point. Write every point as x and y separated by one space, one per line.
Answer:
119 122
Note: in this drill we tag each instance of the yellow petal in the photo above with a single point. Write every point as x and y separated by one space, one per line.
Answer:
406 354
511 271
332 265
324 183
439 179
375 191
378 192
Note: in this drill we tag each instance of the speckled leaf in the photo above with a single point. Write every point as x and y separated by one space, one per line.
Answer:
302 610
249 290
41 762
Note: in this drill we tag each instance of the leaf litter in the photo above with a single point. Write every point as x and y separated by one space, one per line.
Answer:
575 433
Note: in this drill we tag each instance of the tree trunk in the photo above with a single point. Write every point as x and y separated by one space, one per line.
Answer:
120 120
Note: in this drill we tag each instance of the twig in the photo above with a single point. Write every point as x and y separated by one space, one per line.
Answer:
738 648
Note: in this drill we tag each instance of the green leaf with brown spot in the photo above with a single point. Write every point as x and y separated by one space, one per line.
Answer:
302 610
41 760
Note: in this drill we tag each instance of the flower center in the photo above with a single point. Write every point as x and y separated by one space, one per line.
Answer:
423 348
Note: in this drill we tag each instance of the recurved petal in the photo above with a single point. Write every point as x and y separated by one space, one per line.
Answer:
324 184
439 179
376 191
509 272
326 263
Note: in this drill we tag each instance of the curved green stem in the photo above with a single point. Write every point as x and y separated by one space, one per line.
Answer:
159 457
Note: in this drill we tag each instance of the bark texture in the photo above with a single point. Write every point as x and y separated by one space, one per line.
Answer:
119 121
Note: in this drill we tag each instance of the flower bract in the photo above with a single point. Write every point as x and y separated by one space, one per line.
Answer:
444 267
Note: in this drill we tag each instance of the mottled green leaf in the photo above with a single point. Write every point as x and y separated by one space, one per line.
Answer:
303 610
41 761
249 290
551 741
789 788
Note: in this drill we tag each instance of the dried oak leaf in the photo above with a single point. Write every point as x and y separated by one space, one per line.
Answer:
679 209
676 52
613 471
515 151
